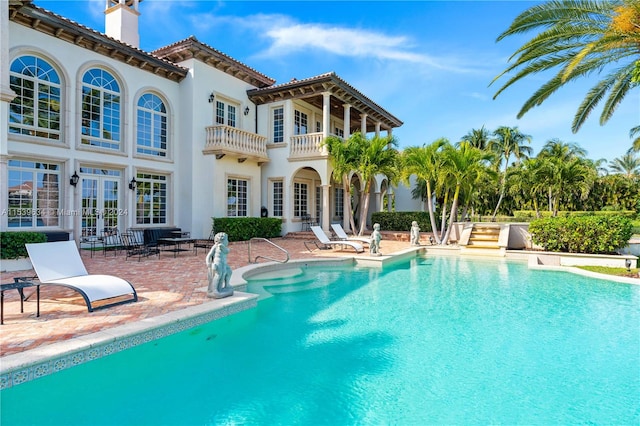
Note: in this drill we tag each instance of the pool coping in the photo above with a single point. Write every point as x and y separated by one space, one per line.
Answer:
25 366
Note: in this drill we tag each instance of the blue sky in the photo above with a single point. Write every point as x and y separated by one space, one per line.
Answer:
427 62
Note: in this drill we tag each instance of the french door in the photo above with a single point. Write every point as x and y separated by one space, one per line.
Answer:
100 200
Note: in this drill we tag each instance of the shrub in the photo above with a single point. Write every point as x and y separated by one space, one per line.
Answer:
401 221
582 234
245 228
12 243
527 215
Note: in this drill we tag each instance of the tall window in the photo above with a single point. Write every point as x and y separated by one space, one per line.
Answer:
36 109
278 198
151 126
237 197
151 198
278 125
226 114
318 203
339 202
300 123
100 110
339 132
300 192
34 194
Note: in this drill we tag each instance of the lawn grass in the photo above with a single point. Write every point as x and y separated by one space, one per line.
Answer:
621 272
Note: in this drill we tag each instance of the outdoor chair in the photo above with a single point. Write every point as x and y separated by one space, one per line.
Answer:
111 240
135 247
326 242
59 263
341 234
204 243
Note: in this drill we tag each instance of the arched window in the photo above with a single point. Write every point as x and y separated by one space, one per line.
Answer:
101 120
151 126
36 109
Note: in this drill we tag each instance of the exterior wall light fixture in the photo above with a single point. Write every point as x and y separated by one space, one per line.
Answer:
133 184
211 97
246 111
74 179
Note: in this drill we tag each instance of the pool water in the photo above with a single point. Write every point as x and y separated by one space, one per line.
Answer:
427 341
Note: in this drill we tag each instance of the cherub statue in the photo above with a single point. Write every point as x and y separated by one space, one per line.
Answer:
219 272
415 234
374 242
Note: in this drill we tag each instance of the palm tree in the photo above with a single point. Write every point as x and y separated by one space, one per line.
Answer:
628 165
366 157
635 132
478 138
508 141
578 38
377 156
423 162
344 159
556 148
461 166
526 179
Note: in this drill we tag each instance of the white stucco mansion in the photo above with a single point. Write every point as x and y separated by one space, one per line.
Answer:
97 133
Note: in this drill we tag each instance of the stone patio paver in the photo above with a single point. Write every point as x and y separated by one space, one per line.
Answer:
164 284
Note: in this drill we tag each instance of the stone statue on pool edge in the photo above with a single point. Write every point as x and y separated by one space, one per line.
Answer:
219 272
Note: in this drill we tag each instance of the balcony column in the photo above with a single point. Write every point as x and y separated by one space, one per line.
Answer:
347 121
6 96
326 117
326 216
377 128
389 198
363 124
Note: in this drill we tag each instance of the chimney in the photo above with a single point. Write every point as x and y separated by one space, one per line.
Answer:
121 21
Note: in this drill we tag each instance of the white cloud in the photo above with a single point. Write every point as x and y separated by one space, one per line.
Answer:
285 36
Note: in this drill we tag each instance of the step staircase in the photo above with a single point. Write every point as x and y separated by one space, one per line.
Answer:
485 239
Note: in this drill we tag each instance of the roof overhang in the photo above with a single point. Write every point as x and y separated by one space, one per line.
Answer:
191 48
311 89
27 14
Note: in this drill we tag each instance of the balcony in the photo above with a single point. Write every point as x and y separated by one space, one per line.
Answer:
309 146
237 143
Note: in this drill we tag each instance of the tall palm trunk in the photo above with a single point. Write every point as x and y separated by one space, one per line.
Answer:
503 185
347 189
432 215
452 217
443 225
364 202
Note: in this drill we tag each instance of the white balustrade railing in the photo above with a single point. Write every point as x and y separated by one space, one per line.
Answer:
309 145
229 139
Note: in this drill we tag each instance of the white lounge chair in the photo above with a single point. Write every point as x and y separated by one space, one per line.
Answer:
59 263
324 239
340 233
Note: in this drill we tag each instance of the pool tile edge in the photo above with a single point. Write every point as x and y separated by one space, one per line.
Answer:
26 366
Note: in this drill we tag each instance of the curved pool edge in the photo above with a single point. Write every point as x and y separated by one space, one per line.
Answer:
25 366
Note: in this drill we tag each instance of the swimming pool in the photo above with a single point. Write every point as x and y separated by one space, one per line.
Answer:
430 340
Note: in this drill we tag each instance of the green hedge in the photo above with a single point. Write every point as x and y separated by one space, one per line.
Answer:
526 215
245 228
401 221
582 234
12 243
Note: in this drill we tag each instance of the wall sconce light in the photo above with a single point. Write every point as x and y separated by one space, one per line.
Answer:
133 184
628 264
211 97
74 179
246 111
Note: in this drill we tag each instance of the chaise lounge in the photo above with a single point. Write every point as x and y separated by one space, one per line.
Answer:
59 263
324 239
340 233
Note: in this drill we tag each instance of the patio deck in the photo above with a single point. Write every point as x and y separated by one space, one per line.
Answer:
164 284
